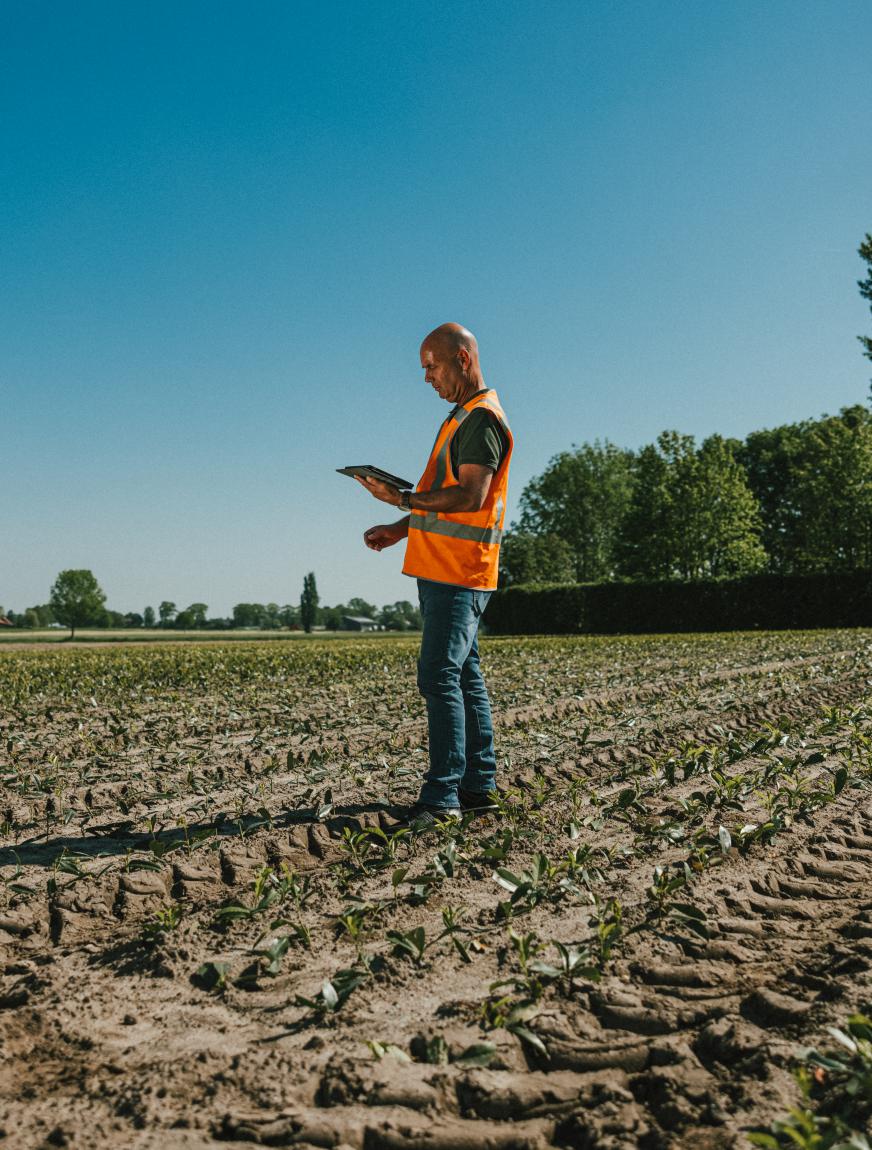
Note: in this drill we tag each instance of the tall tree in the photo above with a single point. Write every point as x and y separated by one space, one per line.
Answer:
645 548
357 606
148 617
332 617
814 483
192 617
693 514
400 616
865 286
309 602
289 615
772 459
529 558
582 497
834 492
167 612
249 615
77 600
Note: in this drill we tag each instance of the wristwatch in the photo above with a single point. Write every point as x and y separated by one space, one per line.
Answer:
405 500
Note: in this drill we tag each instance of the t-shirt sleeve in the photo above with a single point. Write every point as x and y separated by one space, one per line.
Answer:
479 439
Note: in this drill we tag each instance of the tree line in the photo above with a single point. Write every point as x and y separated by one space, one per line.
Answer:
793 499
77 600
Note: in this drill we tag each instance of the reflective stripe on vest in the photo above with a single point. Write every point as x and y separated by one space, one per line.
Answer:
460 548
455 530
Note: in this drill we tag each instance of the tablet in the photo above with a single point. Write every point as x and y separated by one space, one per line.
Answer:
366 470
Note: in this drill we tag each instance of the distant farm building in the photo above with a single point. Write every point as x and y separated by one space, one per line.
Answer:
4 622
358 623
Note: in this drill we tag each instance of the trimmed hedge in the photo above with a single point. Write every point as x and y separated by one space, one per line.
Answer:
766 602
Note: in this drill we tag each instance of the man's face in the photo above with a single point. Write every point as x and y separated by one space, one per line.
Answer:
443 370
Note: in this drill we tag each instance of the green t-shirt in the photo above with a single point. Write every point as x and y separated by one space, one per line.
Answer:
479 439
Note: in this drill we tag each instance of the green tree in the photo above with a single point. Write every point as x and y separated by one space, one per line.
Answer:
529 558
148 617
192 617
309 603
361 607
772 459
865 286
77 600
400 616
582 497
249 615
40 615
167 612
693 515
834 493
289 616
814 484
331 617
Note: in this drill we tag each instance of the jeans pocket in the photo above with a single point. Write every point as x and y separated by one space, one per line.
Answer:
480 600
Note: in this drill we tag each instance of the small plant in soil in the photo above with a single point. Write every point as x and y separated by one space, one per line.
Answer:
335 991
270 890
164 921
836 1088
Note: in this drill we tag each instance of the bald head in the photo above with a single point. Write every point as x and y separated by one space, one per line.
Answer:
449 357
451 337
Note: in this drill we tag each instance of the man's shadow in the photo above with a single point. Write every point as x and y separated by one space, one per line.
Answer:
114 839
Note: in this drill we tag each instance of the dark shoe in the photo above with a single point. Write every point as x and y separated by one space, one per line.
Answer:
478 802
420 817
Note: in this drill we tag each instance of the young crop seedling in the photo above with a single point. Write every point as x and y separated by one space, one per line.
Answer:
273 953
411 943
606 919
663 906
382 1050
355 921
534 976
452 917
335 991
496 847
507 1014
836 1088
579 865
270 890
212 976
527 889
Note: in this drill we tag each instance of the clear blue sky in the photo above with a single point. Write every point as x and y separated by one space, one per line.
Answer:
226 227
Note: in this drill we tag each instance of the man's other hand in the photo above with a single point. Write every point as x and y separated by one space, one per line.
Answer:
383 491
384 535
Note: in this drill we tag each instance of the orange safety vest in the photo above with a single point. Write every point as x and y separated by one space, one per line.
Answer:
462 548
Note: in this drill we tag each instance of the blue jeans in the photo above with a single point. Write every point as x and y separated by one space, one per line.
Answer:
458 707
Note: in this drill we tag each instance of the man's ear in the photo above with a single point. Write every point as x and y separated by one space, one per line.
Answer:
465 359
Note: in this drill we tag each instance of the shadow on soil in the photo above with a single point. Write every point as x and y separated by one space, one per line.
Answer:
114 839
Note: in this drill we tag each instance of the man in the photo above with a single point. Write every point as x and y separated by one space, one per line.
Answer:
453 530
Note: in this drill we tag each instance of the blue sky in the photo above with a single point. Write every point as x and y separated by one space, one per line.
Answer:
225 229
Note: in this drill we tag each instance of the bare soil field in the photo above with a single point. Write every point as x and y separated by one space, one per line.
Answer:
213 934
